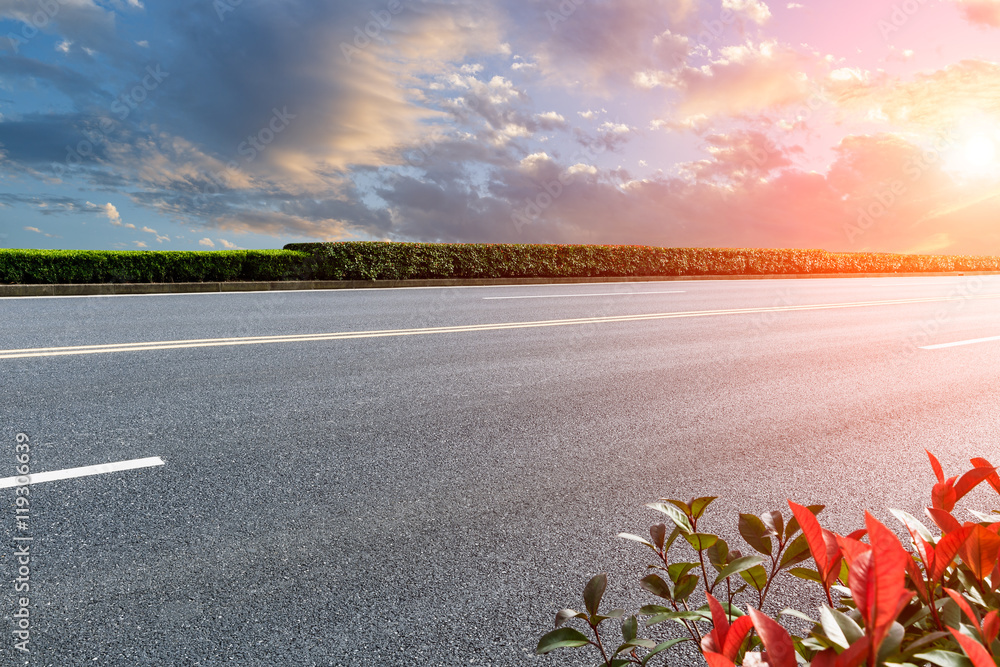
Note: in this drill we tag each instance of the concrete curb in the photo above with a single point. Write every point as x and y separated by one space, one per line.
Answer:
110 289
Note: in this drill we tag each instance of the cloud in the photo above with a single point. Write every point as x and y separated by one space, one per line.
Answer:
937 100
755 10
113 217
228 244
206 242
745 80
985 13
140 244
38 231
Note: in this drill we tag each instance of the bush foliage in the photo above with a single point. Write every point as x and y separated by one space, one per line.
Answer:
397 261
401 261
98 266
935 601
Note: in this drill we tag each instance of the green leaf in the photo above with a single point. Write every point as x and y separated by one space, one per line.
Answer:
839 627
718 555
662 647
561 638
755 533
756 576
944 658
914 524
891 643
795 553
796 614
635 643
677 616
699 505
679 504
792 526
732 610
774 522
630 628
806 573
594 591
657 586
600 618
654 609
701 541
737 566
674 534
685 587
636 538
678 570
565 614
678 517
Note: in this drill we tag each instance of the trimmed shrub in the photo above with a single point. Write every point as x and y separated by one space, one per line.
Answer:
98 266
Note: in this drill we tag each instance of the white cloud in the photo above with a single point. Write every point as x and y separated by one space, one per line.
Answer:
140 244
206 242
755 10
113 217
228 244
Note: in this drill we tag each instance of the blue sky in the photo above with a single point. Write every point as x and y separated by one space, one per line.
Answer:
212 124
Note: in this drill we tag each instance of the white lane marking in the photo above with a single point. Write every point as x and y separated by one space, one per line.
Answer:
957 343
345 335
562 296
85 471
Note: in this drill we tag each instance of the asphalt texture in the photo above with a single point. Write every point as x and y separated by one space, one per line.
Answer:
435 499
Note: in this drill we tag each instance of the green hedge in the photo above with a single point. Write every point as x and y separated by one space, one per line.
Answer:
99 266
397 261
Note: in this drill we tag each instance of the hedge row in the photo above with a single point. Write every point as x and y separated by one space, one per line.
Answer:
397 261
99 266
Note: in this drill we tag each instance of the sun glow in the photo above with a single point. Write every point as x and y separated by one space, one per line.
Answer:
974 155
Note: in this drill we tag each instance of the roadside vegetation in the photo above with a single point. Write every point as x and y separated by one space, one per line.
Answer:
401 261
933 601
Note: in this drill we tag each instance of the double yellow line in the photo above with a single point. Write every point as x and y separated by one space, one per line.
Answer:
348 335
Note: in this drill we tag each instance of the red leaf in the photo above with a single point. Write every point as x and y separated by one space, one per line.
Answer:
946 550
861 573
827 658
945 521
971 480
851 549
980 550
737 633
720 620
858 534
991 626
979 656
938 472
855 653
964 606
833 558
717 660
814 536
993 479
780 650
916 576
887 583
943 496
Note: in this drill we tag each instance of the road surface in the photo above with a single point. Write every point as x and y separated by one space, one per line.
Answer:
431 490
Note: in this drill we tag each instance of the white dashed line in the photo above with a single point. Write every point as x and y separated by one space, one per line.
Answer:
68 473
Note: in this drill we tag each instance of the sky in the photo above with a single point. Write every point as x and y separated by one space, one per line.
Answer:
844 125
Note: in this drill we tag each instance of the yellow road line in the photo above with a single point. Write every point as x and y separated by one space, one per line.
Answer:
345 335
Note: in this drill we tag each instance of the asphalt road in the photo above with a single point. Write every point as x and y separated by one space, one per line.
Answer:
433 498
